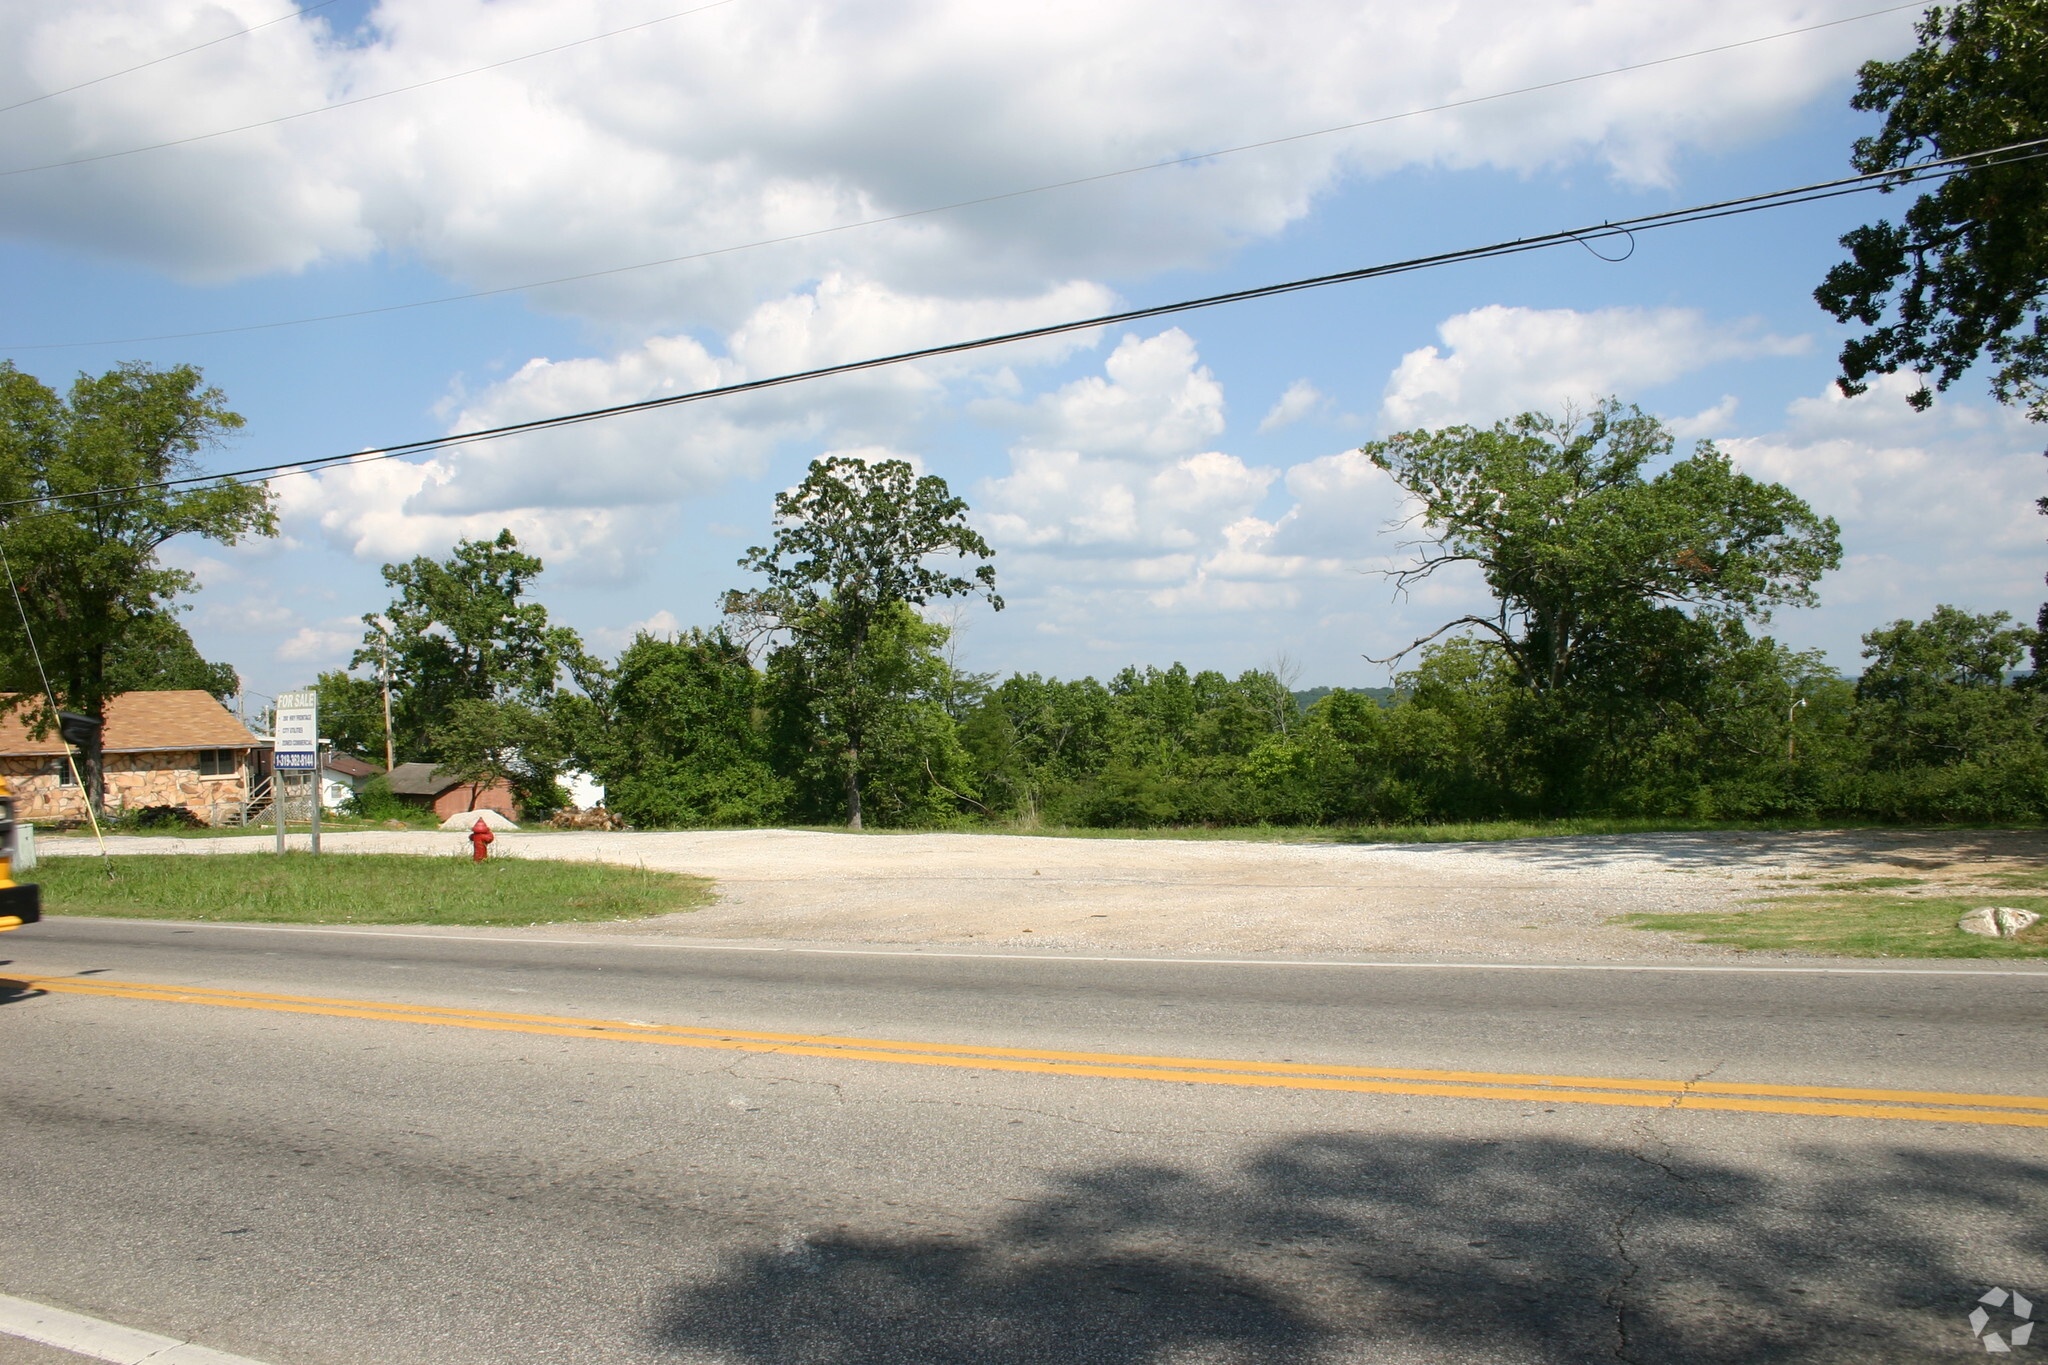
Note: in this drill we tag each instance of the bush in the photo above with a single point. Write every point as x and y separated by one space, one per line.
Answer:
376 801
156 818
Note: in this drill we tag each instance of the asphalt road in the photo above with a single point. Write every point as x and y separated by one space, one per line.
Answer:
312 1147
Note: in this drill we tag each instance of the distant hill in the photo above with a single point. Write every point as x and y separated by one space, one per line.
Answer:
1305 699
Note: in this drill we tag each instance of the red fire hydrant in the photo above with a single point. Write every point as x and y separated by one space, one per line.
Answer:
480 839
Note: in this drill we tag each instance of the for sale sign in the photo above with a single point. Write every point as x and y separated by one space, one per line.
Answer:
295 742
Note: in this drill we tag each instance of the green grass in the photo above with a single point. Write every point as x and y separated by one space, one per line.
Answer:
360 888
298 829
1859 926
1476 831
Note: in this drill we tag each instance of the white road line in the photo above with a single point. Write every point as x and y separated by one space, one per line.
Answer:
81 1335
188 925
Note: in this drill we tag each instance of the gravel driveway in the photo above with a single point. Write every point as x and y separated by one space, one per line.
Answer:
1544 899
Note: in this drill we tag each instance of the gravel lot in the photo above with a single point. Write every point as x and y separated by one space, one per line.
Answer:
1547 899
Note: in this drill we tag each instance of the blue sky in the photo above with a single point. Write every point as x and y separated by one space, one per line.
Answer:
1177 490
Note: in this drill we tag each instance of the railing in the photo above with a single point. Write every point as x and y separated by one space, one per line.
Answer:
250 810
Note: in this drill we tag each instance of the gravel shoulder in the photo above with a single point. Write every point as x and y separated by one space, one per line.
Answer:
1538 899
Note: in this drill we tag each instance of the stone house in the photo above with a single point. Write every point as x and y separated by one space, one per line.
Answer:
423 784
158 749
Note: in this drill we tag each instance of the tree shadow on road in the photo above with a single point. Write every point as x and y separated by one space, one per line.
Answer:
13 991
1385 1248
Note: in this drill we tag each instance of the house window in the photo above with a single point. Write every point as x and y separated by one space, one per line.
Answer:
220 763
65 776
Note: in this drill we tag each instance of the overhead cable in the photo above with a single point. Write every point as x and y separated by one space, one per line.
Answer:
1920 172
908 214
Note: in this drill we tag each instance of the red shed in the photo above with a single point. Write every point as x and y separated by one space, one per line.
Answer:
423 784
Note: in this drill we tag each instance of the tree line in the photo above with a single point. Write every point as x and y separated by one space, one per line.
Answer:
1618 672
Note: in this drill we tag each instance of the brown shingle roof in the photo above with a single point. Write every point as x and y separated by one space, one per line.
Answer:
421 779
348 765
138 722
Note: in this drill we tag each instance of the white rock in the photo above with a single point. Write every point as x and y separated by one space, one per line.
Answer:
465 820
1996 921
2011 921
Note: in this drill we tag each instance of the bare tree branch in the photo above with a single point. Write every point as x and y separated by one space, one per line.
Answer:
1480 621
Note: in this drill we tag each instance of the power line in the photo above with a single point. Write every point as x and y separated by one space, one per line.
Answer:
963 203
1921 172
297 13
362 99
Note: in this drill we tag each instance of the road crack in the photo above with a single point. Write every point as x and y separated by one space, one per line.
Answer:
1654 1151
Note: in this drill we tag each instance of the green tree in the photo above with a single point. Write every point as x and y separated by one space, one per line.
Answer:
1937 691
352 714
912 767
680 742
1964 274
86 562
1032 738
1578 543
155 654
463 629
481 742
1615 587
853 549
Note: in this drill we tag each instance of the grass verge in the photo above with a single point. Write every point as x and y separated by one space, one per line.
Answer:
1860 926
331 824
1476 831
361 888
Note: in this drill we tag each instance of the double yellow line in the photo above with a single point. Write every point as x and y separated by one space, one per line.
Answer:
2022 1111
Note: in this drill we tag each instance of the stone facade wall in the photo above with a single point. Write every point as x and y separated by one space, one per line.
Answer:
132 780
33 783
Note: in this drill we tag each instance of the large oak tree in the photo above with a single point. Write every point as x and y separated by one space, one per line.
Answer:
1582 538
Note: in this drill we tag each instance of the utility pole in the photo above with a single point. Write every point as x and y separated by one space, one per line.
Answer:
1791 735
384 676
319 787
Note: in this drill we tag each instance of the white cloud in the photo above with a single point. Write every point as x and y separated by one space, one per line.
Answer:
874 455
1063 498
1131 520
321 647
1301 399
1707 424
1497 361
778 117
382 511
1113 464
596 498
250 616
612 639
1155 400
1343 508
1935 506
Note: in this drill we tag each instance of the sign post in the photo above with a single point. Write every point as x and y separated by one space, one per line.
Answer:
295 748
